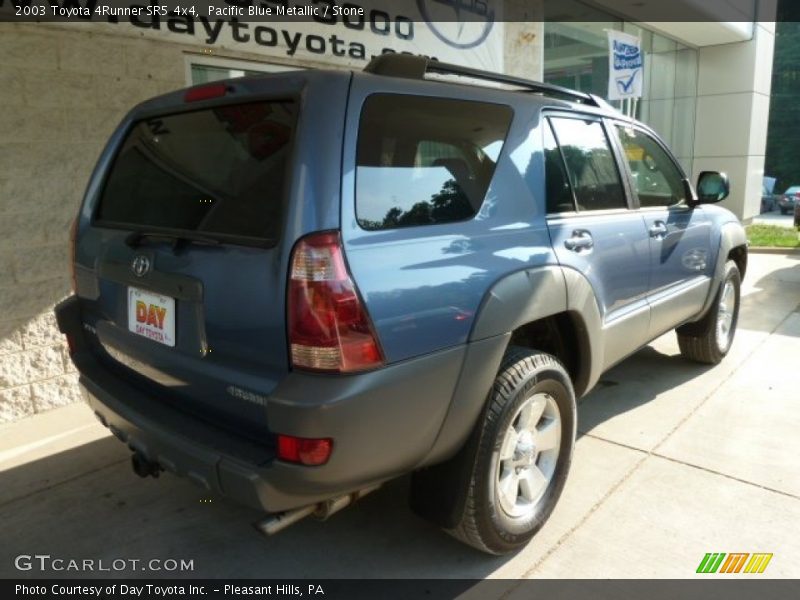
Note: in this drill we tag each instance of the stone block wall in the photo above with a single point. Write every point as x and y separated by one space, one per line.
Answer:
62 92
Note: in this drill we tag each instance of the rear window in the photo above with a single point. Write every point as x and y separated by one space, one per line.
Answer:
219 171
424 161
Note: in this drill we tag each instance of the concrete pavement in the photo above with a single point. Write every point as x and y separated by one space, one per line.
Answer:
774 218
674 460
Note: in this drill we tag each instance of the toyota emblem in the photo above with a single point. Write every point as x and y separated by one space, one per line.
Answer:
140 265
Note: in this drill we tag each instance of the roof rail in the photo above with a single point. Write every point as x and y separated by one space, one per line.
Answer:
415 67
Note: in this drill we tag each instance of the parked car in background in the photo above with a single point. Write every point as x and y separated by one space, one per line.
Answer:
769 201
788 200
797 214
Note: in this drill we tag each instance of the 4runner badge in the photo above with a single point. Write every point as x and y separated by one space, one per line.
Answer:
140 265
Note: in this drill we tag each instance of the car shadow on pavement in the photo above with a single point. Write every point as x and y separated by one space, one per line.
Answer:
662 385
635 382
86 502
772 298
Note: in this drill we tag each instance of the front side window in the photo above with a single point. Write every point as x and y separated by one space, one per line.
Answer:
590 163
657 180
425 161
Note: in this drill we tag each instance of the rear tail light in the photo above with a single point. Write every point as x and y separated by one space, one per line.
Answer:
304 451
73 235
329 329
206 92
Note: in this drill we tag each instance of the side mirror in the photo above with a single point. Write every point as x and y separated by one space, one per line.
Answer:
712 187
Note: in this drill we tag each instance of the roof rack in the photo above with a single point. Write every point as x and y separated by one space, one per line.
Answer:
415 67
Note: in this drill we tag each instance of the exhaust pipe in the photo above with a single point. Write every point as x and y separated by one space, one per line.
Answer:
278 522
144 467
322 511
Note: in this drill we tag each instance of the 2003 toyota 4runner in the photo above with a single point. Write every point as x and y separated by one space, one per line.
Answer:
292 288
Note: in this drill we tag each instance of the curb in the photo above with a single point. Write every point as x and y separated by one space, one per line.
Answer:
772 250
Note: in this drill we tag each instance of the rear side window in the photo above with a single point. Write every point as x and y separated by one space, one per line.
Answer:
591 165
424 161
219 171
559 194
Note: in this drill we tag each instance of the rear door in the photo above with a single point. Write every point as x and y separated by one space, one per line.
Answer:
593 228
681 261
183 267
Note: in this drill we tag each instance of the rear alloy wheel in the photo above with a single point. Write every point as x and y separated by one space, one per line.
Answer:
710 339
528 455
524 449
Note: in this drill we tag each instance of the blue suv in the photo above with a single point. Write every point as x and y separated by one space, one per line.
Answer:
295 287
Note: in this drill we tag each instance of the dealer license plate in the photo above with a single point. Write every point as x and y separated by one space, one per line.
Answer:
151 315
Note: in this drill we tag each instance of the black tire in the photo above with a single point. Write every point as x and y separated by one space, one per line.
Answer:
482 522
699 341
784 211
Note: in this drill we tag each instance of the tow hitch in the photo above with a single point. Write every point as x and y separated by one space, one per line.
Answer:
144 467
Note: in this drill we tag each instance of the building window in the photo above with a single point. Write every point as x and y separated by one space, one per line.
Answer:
204 69
576 56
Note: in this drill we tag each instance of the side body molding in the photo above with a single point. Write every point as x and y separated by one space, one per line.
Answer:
732 235
519 298
582 305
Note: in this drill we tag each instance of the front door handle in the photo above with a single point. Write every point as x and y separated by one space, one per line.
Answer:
658 230
580 240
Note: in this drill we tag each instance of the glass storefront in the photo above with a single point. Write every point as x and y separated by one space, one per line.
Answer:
576 56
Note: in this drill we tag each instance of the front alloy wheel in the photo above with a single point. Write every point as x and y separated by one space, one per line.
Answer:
710 339
725 313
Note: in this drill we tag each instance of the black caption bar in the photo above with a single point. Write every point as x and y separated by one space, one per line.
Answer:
406 589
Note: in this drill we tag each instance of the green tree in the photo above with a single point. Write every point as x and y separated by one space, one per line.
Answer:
783 139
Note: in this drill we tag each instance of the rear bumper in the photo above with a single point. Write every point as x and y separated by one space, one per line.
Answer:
383 423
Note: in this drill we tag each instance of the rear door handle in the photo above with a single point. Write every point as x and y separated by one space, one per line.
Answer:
658 229
580 240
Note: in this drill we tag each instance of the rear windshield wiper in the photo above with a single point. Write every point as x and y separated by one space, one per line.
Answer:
135 238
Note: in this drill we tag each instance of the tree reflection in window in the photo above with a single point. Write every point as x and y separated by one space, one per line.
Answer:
448 205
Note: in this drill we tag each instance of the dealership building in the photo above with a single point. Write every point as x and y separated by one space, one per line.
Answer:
65 86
